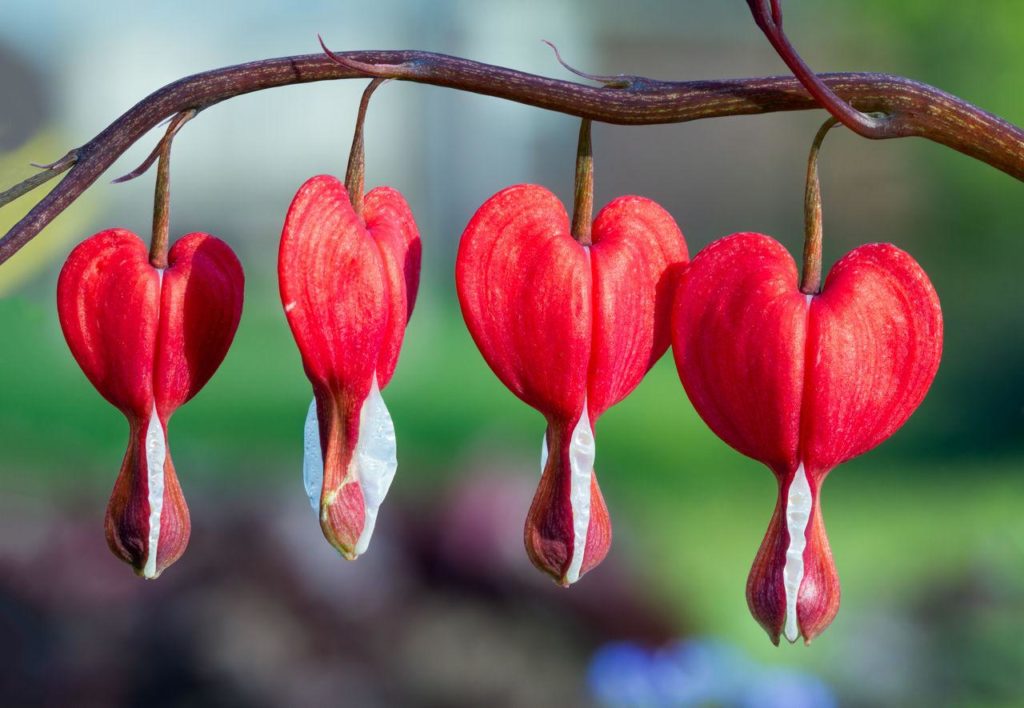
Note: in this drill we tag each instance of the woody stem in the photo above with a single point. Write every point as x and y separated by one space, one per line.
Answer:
40 178
355 175
768 17
912 109
162 193
583 201
810 283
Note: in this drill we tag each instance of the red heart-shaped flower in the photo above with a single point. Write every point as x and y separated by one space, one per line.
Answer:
149 340
348 284
570 330
803 383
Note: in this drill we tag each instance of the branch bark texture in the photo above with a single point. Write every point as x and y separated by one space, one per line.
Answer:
912 108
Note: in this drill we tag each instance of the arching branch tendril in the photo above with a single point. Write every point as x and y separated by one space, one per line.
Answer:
915 108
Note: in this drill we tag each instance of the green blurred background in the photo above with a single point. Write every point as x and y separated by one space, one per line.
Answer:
927 530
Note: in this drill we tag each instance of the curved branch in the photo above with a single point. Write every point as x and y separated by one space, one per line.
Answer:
912 108
768 18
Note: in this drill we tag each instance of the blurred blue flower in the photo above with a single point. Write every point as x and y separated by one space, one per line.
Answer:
697 672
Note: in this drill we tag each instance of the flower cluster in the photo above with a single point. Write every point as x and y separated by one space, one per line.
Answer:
570 316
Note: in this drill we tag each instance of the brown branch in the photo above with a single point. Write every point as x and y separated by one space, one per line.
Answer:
768 17
912 109
45 174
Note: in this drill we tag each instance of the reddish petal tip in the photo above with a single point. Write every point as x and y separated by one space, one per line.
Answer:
342 507
793 572
568 531
147 531
342 518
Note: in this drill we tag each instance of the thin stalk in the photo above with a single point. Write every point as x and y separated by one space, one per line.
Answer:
162 193
810 283
40 178
355 175
583 200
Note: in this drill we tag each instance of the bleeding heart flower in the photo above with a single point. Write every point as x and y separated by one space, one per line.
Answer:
571 330
803 383
348 284
149 339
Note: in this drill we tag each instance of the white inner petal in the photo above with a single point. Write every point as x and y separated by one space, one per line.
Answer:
156 456
376 458
798 512
374 461
312 459
582 451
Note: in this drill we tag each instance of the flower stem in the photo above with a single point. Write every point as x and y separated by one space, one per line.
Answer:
355 175
162 192
583 202
810 283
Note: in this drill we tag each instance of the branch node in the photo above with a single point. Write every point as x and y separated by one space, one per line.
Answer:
768 17
175 123
619 81
59 165
380 71
40 178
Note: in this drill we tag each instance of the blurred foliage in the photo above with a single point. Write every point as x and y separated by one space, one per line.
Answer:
975 218
39 253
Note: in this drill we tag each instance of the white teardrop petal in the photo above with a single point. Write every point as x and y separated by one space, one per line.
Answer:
374 461
312 459
376 457
798 512
582 451
156 456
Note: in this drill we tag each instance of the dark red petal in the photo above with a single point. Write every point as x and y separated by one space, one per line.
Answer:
637 258
599 533
765 364
562 325
874 345
525 290
766 593
201 305
332 287
108 305
128 511
342 506
337 300
389 220
130 339
817 600
739 339
549 534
